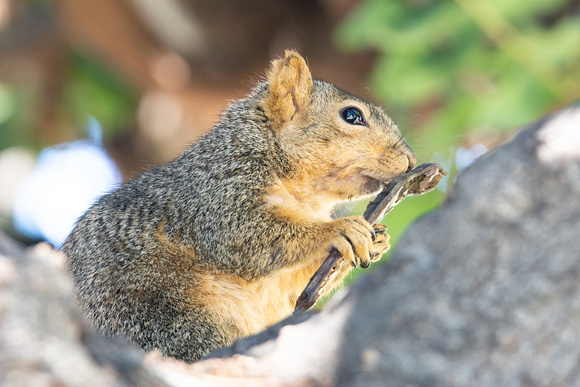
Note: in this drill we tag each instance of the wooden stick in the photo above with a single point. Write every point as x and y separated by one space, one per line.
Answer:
417 182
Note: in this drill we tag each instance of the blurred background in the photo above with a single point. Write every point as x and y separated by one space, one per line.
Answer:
93 93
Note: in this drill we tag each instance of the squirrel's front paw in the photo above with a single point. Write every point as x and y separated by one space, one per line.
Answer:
381 242
353 237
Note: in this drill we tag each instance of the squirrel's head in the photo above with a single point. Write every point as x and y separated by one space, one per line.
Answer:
343 146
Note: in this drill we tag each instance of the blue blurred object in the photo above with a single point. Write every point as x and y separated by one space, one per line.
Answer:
66 181
464 157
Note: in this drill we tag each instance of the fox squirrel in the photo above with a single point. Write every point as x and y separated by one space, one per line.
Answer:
219 243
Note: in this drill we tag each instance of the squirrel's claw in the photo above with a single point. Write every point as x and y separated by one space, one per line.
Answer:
381 243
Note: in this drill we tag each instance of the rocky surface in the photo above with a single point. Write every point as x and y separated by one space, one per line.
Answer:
44 340
483 291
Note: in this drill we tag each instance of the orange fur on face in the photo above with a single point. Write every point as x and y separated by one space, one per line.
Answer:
333 160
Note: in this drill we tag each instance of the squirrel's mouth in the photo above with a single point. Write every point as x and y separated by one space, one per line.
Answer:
362 183
371 185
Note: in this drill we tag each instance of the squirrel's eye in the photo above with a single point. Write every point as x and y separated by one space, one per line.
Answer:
353 116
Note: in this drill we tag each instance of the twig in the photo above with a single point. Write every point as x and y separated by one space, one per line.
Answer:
417 182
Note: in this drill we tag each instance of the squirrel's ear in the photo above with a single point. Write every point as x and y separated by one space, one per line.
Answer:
290 85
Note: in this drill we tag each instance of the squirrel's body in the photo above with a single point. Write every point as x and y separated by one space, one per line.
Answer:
220 243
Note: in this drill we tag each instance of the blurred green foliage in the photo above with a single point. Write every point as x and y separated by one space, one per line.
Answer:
447 70
15 115
486 65
88 88
91 89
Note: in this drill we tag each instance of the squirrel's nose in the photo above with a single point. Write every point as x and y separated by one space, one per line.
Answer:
411 160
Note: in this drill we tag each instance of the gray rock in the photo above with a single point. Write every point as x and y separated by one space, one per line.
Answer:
44 340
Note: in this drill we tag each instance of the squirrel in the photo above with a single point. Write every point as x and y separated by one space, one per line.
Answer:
219 243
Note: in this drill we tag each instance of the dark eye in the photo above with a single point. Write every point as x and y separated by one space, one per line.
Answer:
353 116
